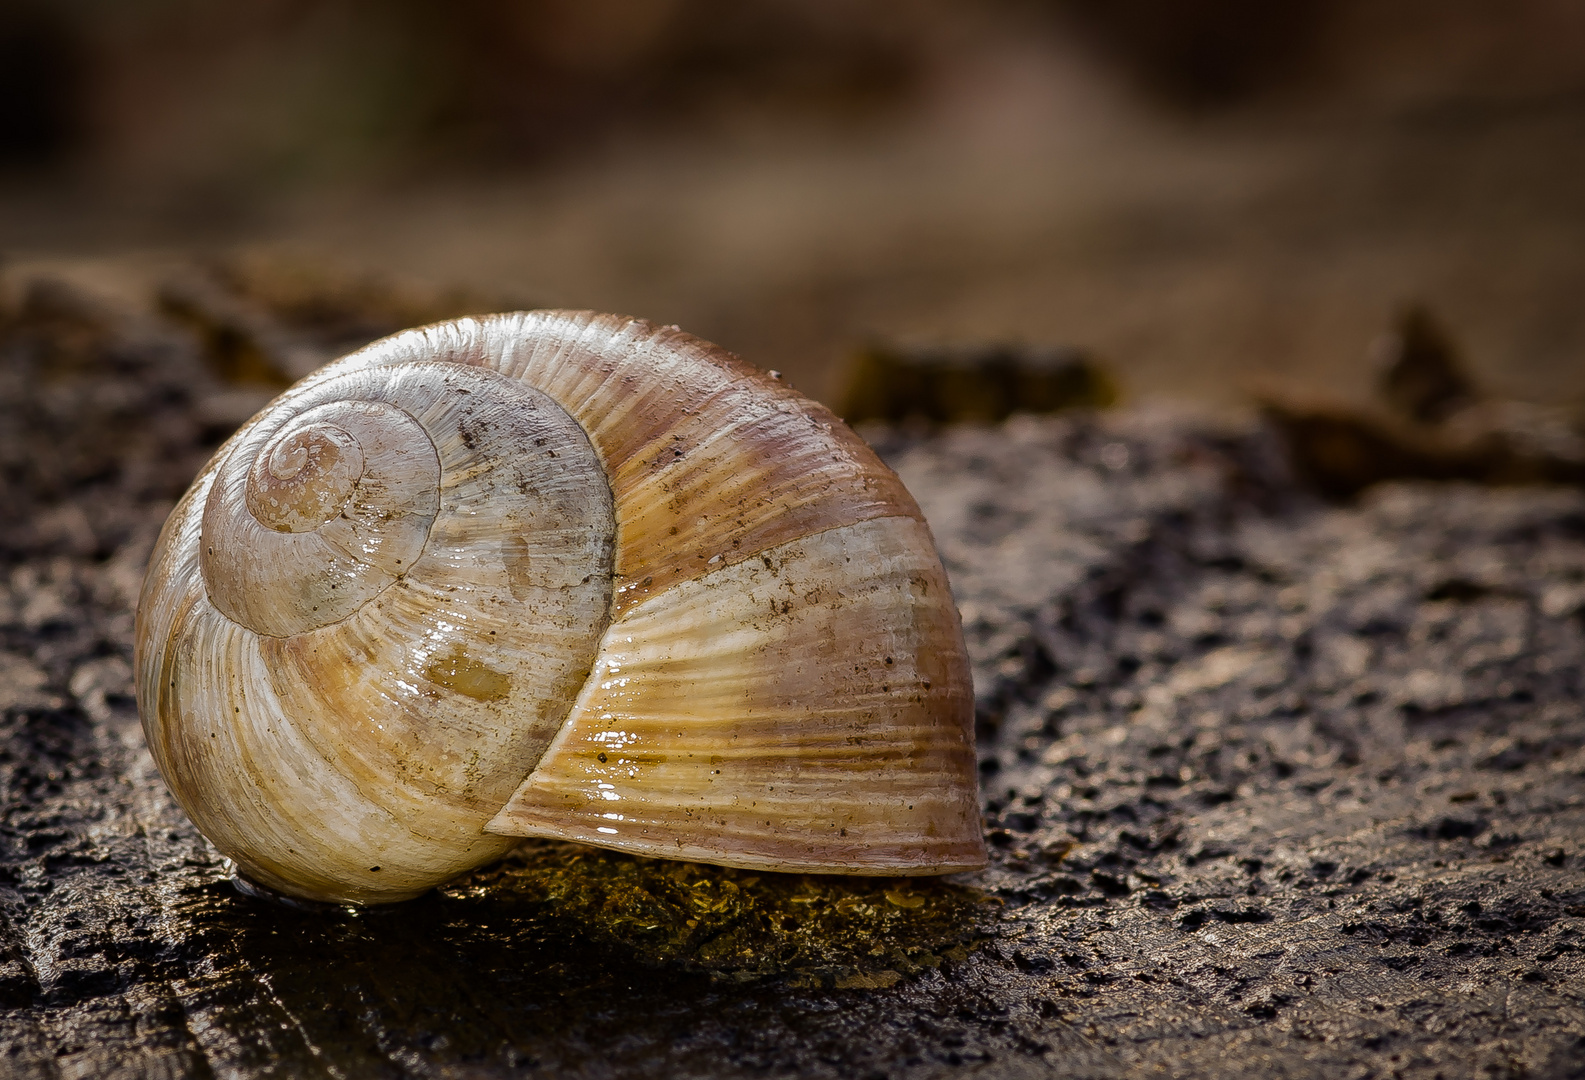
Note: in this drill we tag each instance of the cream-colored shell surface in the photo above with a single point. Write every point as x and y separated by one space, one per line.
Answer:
554 574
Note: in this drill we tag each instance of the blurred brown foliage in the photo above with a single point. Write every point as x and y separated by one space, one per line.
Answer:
264 91
974 383
272 89
1210 53
1432 421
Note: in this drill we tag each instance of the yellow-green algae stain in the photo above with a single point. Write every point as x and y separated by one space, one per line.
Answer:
740 925
460 672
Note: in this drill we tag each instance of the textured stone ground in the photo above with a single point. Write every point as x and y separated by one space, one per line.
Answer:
1274 788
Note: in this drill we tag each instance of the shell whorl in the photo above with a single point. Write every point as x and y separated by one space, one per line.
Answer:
312 515
542 574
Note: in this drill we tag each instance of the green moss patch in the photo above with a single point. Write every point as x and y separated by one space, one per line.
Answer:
739 925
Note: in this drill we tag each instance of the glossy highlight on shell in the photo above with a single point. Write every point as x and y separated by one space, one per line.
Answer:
563 575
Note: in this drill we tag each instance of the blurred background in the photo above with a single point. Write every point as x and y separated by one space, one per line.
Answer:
1205 195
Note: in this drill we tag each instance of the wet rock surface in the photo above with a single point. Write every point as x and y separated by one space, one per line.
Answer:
1272 787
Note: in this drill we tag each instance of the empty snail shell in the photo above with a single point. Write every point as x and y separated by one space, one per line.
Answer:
563 575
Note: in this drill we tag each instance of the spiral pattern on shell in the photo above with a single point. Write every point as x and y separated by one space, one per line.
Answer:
553 574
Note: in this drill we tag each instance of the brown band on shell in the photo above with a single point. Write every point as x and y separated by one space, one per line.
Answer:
793 712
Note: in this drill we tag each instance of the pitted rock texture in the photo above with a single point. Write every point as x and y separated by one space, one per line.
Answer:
1273 789
1280 787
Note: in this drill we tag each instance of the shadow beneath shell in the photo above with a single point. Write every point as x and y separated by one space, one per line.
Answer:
732 925
738 925
564 956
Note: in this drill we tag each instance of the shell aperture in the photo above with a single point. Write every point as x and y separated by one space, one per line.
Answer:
387 630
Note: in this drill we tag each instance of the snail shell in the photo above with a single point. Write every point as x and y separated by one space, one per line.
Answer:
554 574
